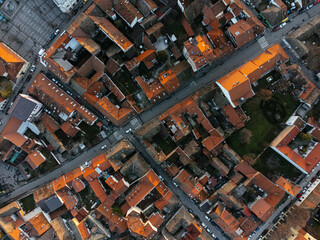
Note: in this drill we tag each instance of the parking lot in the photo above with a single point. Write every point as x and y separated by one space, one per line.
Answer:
30 26
10 178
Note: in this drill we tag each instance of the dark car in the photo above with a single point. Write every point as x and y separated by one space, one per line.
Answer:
299 195
313 179
28 78
302 10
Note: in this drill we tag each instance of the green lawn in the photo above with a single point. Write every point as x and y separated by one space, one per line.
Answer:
49 164
166 145
28 203
273 165
125 83
88 198
263 132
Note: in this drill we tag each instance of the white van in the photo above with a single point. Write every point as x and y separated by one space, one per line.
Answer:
41 52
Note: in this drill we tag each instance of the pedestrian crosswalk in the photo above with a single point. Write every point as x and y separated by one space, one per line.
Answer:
263 42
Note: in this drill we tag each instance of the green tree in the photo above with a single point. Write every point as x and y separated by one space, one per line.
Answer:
5 87
306 137
162 56
117 210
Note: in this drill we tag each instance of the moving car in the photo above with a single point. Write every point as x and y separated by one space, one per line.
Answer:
129 130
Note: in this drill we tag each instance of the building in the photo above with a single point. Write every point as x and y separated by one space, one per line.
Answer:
25 108
12 65
66 6
59 101
128 13
198 51
35 158
303 159
169 81
241 33
236 86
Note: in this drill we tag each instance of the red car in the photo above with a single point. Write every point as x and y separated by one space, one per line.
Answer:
299 195
313 179
276 28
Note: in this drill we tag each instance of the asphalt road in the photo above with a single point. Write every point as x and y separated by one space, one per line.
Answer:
234 61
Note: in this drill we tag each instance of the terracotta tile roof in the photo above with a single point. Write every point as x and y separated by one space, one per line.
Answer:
106 6
275 193
169 81
187 27
237 82
78 185
213 140
118 185
281 142
226 221
52 65
136 225
82 228
45 89
115 222
75 173
251 71
233 117
11 62
59 183
49 122
237 85
10 133
154 28
156 219
164 201
69 129
116 115
148 58
89 173
113 88
112 67
262 210
245 169
199 51
35 158
183 176
146 184
113 33
154 92
98 190
69 201
40 223
289 187
101 162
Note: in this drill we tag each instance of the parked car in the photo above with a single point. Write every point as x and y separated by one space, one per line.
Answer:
313 179
28 78
33 67
299 195
282 25
276 28
104 146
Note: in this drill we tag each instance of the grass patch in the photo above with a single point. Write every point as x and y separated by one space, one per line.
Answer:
167 145
175 27
263 132
91 132
28 203
273 165
49 164
88 197
125 83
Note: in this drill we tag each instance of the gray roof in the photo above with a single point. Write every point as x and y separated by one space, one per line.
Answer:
21 108
53 203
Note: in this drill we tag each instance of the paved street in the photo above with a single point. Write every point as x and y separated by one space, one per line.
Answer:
234 61
30 26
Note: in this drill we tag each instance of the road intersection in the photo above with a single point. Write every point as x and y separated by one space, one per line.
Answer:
203 78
